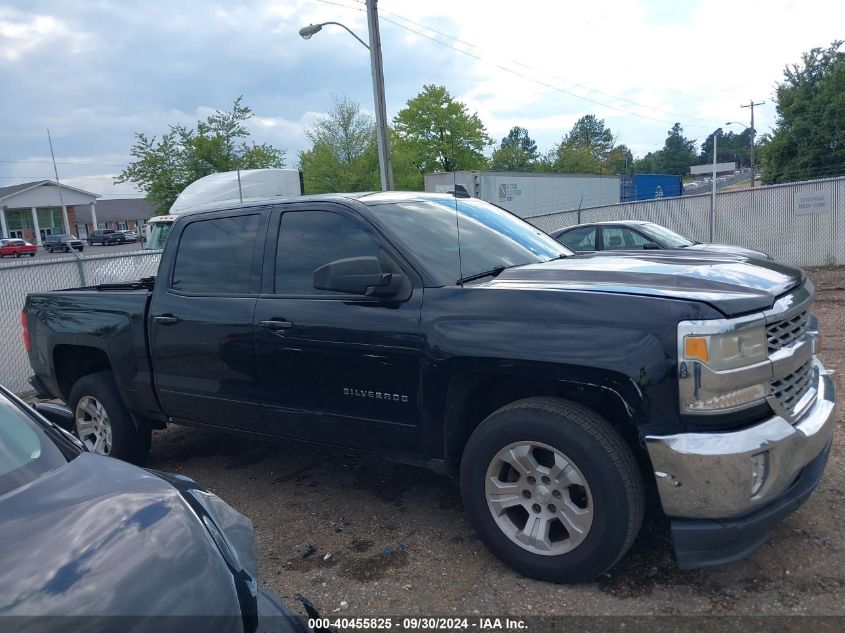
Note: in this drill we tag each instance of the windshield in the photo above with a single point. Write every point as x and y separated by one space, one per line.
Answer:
157 236
26 451
489 236
664 236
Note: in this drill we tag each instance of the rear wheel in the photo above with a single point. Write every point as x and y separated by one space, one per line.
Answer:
103 423
552 489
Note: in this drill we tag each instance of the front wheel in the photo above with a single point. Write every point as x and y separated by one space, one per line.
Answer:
552 489
103 423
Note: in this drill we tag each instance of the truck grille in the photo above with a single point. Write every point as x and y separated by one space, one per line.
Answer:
782 333
790 389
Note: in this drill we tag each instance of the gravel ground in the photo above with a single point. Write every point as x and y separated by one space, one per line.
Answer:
386 539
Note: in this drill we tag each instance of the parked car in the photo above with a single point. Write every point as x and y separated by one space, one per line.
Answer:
17 248
112 236
101 236
452 334
127 236
87 535
65 243
634 235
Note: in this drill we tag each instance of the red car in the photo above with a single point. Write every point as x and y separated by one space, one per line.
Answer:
17 248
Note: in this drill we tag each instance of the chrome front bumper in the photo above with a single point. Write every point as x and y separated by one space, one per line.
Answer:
709 475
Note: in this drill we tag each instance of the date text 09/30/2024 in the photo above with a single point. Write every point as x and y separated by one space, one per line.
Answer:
419 624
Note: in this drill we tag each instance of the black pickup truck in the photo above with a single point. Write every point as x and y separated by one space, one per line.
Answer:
449 333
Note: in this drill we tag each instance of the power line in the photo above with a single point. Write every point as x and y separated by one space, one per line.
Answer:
58 162
552 75
519 74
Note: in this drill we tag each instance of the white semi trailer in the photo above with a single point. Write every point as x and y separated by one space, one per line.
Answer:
247 184
527 194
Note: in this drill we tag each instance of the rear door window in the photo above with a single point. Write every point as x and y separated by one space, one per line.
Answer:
216 256
580 239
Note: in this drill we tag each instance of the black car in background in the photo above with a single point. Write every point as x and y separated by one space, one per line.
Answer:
87 535
62 242
112 236
635 235
102 236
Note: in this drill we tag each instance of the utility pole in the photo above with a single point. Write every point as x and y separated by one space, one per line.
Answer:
713 186
751 105
58 188
382 133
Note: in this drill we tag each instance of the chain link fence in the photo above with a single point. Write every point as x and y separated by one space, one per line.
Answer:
802 224
23 277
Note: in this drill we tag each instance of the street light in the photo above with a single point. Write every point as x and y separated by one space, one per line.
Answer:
307 32
752 146
382 134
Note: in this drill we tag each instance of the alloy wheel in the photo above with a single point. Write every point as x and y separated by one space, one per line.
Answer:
93 426
539 498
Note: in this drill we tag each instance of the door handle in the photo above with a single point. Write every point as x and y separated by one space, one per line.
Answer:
275 325
166 320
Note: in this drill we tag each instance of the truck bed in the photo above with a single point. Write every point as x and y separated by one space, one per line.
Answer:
103 327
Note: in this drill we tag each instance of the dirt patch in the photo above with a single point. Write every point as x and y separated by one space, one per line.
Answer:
373 567
361 545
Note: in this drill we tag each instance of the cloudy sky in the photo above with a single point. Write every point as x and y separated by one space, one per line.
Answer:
96 71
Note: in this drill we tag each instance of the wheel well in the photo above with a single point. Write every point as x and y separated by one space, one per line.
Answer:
72 362
473 397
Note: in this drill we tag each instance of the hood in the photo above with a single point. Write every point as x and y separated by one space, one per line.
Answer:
101 537
733 285
730 249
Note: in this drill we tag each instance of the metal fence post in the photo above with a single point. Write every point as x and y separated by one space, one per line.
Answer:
80 268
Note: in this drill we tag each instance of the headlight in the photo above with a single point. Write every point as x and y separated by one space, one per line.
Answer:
728 350
722 364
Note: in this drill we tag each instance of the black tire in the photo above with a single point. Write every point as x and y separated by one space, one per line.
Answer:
32 254
129 443
596 449
81 248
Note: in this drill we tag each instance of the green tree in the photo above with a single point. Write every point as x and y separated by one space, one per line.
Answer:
587 144
589 148
343 154
162 167
678 153
620 160
517 152
648 164
435 132
734 148
808 140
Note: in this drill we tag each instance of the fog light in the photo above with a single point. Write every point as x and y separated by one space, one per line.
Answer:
759 471
726 400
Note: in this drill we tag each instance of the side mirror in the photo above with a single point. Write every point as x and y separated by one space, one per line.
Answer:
651 246
58 414
358 276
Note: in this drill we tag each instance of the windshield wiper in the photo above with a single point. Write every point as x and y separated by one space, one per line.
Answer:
493 272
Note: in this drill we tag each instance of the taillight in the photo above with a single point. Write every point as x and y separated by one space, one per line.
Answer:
25 327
